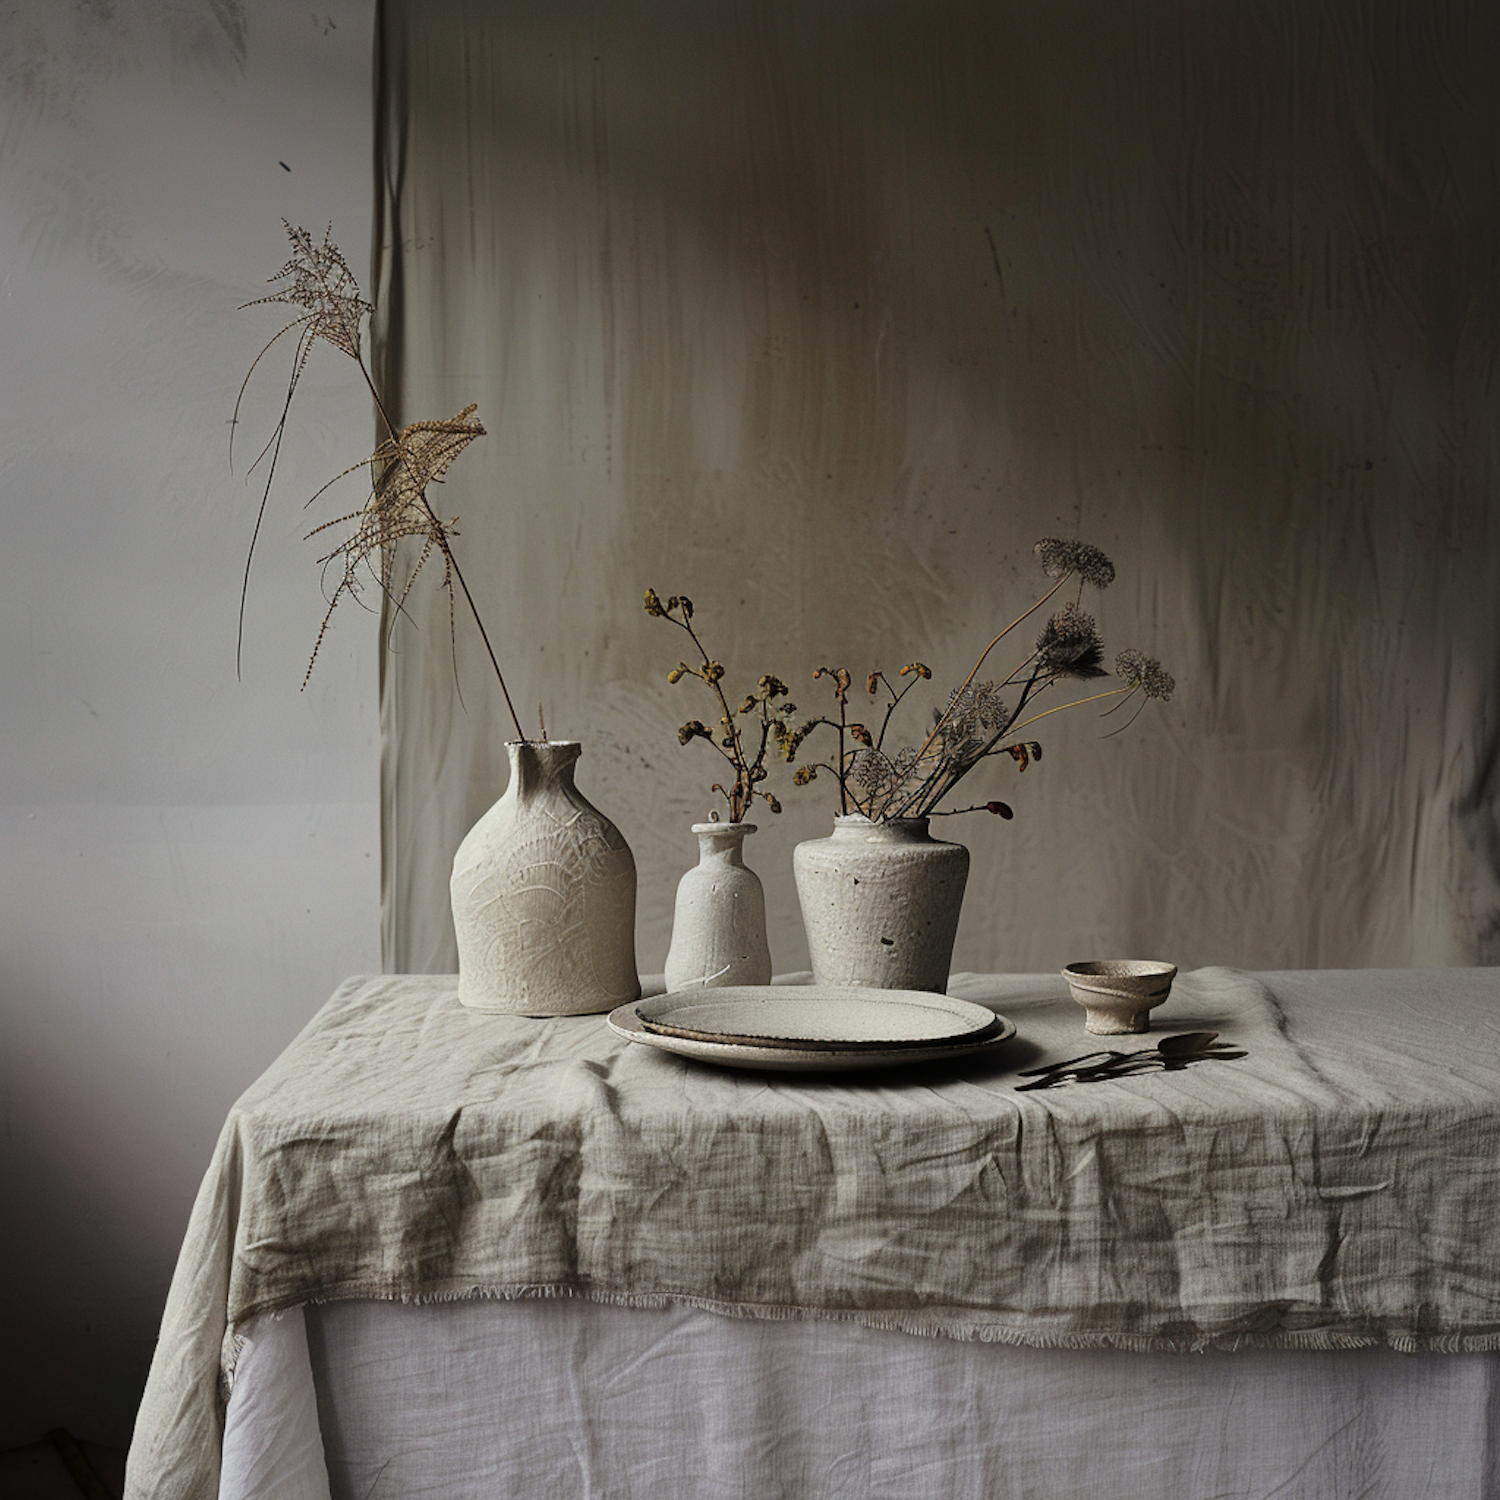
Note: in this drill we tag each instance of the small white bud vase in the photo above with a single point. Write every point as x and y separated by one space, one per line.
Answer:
544 896
719 926
880 902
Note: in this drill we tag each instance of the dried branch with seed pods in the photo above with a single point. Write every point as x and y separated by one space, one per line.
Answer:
980 719
403 465
760 716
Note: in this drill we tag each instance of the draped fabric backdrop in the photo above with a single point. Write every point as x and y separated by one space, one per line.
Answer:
823 312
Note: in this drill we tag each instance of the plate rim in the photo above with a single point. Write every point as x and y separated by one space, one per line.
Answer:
801 1060
978 1019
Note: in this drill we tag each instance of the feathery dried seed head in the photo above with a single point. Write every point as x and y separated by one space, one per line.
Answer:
1070 645
322 284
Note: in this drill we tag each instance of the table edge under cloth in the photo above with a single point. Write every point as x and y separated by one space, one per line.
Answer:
241 1259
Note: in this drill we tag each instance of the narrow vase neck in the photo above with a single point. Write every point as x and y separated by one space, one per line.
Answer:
537 766
722 843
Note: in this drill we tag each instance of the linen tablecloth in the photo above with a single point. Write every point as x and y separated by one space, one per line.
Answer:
1335 1188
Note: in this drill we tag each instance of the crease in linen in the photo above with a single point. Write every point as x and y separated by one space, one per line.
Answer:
1322 1193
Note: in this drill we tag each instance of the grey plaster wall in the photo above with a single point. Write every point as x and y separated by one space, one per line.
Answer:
188 863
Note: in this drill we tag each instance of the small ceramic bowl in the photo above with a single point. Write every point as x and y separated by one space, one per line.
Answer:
1118 993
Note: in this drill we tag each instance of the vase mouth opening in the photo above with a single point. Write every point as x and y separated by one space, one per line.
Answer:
860 820
530 759
735 828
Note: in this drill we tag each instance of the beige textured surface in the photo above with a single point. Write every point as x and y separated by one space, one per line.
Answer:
721 280
1336 1187
543 897
719 916
881 903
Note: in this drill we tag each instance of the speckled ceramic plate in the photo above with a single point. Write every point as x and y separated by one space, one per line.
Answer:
810 1027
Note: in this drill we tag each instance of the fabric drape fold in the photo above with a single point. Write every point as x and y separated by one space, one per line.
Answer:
824 313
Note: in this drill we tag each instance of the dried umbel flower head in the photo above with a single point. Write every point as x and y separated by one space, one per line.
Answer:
1070 644
1144 675
872 770
979 720
1061 556
977 710
1137 670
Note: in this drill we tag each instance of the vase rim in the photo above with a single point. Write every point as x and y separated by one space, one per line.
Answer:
854 819
555 744
724 827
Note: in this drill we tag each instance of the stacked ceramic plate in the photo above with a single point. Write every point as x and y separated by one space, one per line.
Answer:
807 1028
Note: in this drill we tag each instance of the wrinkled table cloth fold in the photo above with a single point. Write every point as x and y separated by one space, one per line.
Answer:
1336 1187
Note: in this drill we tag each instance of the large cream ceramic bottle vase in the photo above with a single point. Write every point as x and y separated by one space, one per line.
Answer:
880 902
544 896
719 925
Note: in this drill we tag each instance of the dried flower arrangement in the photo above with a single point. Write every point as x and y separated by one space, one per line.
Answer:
317 279
767 716
977 721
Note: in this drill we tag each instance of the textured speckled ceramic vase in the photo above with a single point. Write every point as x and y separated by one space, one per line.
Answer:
719 926
544 896
880 902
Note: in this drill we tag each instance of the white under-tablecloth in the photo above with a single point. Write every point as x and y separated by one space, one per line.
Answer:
561 1399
